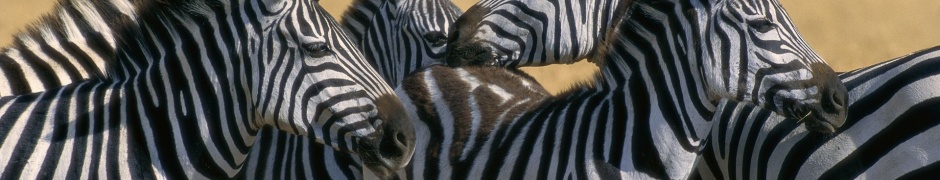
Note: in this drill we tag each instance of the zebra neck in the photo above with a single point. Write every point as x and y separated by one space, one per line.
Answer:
374 26
360 15
655 53
107 120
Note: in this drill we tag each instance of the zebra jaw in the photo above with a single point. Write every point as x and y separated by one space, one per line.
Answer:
818 122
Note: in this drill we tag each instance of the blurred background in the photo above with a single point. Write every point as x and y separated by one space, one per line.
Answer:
848 34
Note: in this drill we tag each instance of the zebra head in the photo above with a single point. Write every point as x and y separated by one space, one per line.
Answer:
531 32
758 55
311 79
746 50
399 37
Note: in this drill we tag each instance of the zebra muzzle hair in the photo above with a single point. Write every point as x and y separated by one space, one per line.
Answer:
474 54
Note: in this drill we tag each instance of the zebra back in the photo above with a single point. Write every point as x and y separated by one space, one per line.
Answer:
890 132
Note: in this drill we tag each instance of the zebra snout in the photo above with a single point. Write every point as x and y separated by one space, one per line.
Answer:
391 148
830 113
396 147
469 54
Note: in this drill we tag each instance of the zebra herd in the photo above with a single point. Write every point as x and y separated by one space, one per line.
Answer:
278 89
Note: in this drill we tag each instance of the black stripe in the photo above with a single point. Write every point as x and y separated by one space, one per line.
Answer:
15 76
911 123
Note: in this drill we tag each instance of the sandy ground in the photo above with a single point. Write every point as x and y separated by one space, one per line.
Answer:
847 33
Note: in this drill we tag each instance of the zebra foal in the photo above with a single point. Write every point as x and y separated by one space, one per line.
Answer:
187 64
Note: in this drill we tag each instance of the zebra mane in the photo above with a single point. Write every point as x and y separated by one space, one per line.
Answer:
120 24
623 11
360 12
50 21
128 36
52 25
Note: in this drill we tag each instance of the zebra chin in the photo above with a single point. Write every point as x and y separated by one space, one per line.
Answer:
391 148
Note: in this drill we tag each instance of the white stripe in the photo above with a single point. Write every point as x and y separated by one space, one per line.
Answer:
5 81
65 158
56 68
86 161
41 146
90 13
124 170
446 121
12 140
52 41
28 71
106 132
126 7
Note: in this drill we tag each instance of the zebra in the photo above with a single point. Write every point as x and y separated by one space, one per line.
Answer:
650 107
418 25
891 131
334 165
340 100
73 45
70 45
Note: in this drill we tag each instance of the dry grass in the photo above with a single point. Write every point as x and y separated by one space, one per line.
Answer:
848 34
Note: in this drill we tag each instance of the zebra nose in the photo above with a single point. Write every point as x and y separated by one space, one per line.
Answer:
396 147
836 100
388 151
474 54
833 104
830 113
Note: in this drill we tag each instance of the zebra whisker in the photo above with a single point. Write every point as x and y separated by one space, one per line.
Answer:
804 117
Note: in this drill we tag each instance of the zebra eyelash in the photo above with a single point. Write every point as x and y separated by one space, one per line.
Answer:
762 25
317 49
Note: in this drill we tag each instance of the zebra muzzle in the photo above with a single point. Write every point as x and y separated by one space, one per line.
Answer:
391 148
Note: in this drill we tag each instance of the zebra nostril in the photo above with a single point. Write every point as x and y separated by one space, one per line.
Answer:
391 147
401 139
836 100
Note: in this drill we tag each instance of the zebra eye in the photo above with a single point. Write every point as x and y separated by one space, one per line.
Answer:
436 38
317 49
762 25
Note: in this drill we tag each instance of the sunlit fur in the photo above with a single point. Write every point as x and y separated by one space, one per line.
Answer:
69 45
745 50
205 60
891 131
